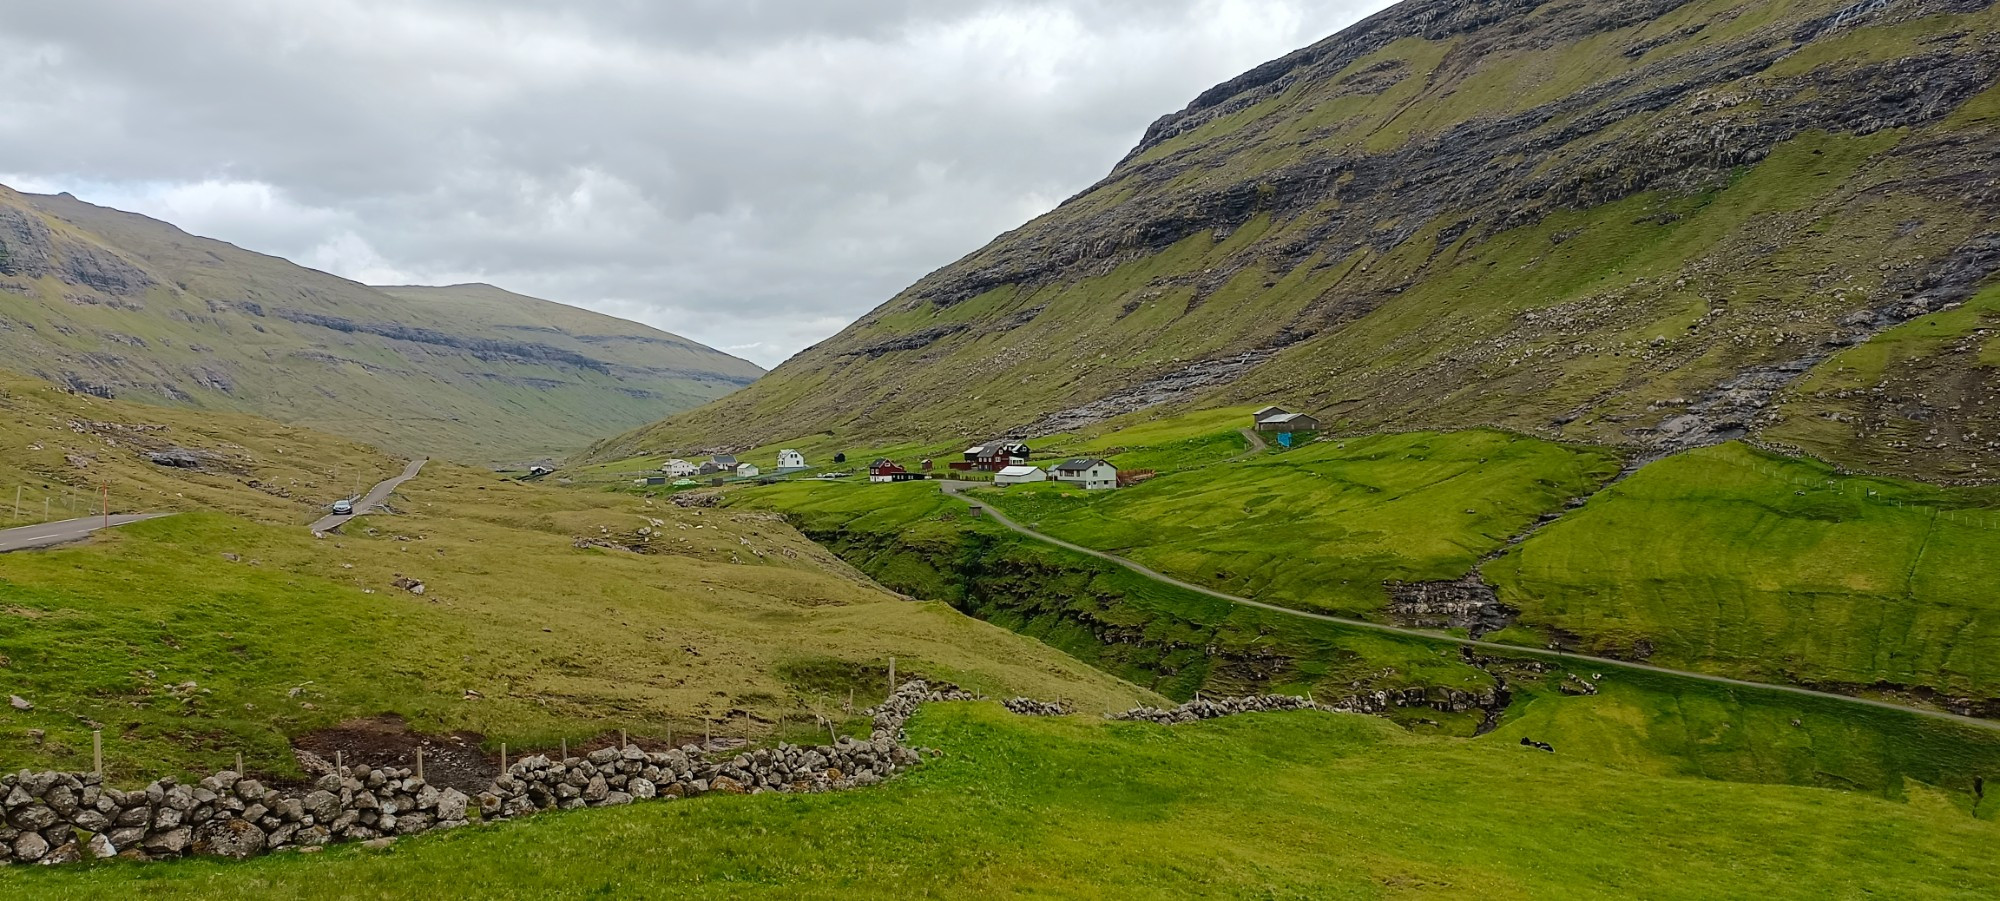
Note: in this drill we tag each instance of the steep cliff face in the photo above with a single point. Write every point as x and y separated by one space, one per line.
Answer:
120 305
1646 222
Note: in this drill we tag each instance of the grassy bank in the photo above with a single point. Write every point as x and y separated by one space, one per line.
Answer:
1264 806
1735 561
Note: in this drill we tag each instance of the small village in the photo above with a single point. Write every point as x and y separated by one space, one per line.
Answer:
1004 463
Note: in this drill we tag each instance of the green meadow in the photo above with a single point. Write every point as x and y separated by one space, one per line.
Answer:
1323 526
1301 805
1736 561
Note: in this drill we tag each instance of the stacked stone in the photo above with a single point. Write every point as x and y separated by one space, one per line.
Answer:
53 818
1204 709
896 710
1032 707
612 777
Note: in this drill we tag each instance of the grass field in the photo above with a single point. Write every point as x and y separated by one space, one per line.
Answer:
63 449
1736 561
1264 806
1323 526
680 618
1177 642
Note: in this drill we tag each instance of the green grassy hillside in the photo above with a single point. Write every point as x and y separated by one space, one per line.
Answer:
1726 560
67 452
1631 223
1179 642
1265 806
1324 526
1741 562
547 614
122 305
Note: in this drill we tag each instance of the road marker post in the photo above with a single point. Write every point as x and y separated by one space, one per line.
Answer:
97 751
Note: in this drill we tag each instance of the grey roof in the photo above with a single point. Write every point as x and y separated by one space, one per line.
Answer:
725 459
1289 417
1078 465
1267 411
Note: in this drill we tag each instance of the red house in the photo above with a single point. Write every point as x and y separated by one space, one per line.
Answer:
891 471
993 456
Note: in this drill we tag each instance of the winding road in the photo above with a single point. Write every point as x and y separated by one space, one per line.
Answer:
953 489
50 534
377 497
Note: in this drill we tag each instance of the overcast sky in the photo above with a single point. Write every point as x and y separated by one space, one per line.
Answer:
753 174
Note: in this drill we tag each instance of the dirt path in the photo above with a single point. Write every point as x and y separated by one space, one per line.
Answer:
1257 446
954 489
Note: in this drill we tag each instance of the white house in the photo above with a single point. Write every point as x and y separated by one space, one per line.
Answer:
747 471
791 461
1020 475
680 469
1093 475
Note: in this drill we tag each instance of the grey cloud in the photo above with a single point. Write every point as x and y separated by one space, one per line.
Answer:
750 174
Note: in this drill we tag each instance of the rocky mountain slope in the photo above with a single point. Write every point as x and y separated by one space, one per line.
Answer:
1652 223
119 305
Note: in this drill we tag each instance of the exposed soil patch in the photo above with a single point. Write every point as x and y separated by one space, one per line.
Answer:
451 760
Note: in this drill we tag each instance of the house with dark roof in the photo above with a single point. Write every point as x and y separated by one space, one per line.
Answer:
993 456
1288 422
886 470
1087 473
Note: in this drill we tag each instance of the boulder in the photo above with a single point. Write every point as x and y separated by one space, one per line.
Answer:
234 837
33 818
322 805
30 847
168 842
451 804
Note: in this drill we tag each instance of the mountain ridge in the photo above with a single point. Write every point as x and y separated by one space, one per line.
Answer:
119 304
1623 222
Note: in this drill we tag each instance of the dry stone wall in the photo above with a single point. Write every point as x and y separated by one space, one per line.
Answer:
55 818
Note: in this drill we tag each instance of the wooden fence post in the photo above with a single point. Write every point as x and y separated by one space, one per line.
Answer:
503 758
339 764
239 763
565 750
622 743
97 751
420 763
892 675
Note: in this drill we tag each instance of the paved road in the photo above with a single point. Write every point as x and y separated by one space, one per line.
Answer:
377 496
953 489
49 534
